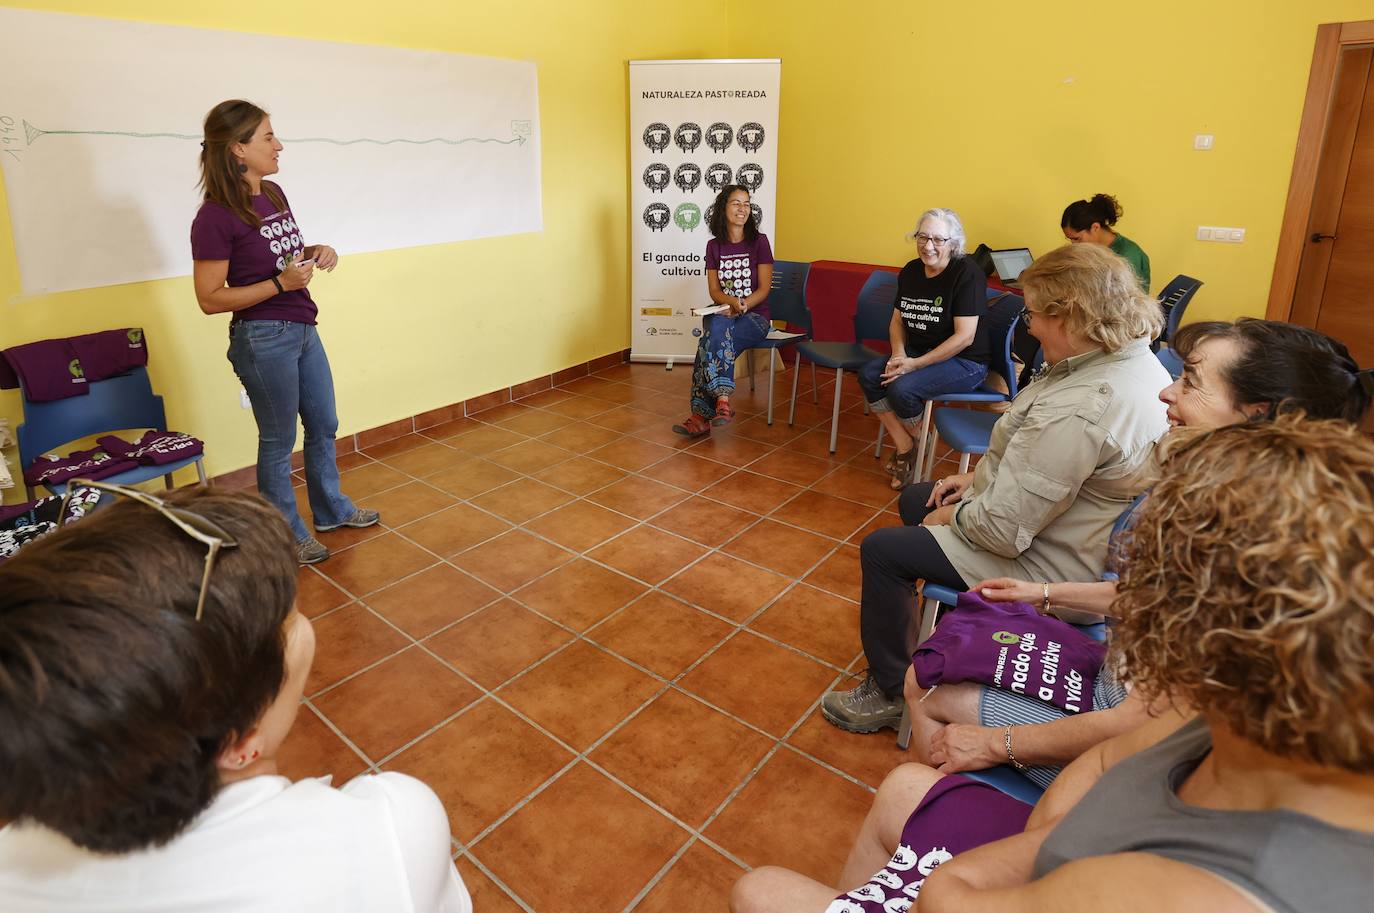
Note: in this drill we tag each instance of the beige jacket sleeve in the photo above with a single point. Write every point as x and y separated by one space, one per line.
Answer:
1045 463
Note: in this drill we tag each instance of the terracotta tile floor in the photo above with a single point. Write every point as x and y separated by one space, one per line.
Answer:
608 677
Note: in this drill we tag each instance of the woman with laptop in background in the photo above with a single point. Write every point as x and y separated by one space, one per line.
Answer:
1094 222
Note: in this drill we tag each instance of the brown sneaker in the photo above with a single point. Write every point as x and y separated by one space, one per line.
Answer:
862 709
310 551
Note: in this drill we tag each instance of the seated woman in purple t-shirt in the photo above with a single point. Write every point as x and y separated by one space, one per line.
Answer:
739 273
251 260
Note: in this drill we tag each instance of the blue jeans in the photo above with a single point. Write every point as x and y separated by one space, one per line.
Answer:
283 367
722 339
908 394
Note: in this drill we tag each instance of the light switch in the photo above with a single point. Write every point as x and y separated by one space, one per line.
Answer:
1237 235
1204 233
1202 142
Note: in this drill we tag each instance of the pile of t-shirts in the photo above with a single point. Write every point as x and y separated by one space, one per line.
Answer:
113 456
58 368
20 524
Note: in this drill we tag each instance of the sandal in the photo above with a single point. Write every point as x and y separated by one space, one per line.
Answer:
693 426
903 469
723 412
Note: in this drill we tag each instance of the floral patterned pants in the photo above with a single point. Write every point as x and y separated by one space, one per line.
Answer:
722 338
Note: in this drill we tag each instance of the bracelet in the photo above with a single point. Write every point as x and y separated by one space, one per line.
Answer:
277 283
1045 606
1006 740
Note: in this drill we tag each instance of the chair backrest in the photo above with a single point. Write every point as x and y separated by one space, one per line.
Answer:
113 404
1004 316
1174 299
787 294
873 318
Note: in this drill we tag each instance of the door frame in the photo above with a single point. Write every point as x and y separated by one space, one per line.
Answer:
1332 38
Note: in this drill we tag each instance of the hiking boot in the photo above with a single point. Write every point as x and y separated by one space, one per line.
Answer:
863 709
310 551
358 519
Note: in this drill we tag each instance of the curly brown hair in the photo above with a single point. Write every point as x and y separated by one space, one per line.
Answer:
1248 589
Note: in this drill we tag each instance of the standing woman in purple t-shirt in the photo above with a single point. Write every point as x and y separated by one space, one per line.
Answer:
739 273
251 261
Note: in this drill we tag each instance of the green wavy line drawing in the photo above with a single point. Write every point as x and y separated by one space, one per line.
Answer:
32 133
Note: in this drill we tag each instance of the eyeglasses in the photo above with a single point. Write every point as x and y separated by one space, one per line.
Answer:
922 239
1026 314
210 534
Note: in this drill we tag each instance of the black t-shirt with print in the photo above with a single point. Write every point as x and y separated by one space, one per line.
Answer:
929 305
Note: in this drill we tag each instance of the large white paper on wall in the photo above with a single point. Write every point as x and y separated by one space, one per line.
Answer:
100 127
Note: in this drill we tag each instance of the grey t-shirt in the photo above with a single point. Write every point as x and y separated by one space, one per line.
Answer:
1289 861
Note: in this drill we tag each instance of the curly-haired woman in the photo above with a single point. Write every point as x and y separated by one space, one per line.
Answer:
1247 603
739 275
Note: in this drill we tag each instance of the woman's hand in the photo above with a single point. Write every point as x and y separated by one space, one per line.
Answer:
897 365
959 747
1009 589
325 257
297 274
736 306
941 516
949 490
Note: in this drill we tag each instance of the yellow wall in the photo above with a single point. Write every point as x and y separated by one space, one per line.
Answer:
1008 111
414 329
1003 110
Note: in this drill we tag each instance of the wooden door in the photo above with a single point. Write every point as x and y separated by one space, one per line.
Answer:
1335 283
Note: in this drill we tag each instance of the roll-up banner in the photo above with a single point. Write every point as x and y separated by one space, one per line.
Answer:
695 126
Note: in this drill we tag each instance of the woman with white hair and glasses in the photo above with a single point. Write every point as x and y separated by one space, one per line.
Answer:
939 341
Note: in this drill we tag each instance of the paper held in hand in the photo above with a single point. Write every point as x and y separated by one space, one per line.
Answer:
783 334
709 310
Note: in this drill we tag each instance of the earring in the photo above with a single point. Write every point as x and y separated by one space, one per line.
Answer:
255 754
242 168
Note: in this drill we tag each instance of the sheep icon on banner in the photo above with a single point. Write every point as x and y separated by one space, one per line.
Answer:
717 176
719 136
751 136
687 177
657 215
687 136
750 176
657 176
656 136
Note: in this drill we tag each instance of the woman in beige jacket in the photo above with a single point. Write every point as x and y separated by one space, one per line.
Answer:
1061 466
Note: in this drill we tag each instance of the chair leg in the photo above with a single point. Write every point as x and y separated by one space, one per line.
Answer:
921 443
930 611
796 372
749 362
835 415
904 728
878 445
963 463
167 481
815 394
929 471
772 357
200 471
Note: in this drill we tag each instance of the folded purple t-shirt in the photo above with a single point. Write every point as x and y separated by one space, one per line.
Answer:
956 815
49 370
255 253
79 464
1009 645
154 448
110 353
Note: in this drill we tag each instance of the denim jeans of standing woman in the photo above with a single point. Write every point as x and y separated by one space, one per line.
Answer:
283 367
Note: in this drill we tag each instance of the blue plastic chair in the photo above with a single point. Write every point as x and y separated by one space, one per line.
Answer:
871 321
1171 362
1174 299
786 301
1003 311
113 404
968 431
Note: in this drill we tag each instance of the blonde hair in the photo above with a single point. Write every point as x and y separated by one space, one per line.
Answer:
1096 293
1248 588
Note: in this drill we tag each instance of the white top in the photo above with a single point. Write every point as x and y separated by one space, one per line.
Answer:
380 844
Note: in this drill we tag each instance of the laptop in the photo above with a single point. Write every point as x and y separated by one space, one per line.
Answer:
1009 264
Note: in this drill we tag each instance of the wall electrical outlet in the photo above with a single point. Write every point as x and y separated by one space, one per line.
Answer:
1217 233
244 403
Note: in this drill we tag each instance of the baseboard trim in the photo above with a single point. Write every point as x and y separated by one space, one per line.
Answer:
371 437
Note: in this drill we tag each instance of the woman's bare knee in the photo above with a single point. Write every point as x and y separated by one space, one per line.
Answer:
901 791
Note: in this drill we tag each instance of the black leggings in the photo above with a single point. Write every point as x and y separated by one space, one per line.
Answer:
893 559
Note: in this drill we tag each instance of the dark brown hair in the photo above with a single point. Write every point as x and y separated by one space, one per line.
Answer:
1081 214
115 703
229 122
1284 367
719 227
